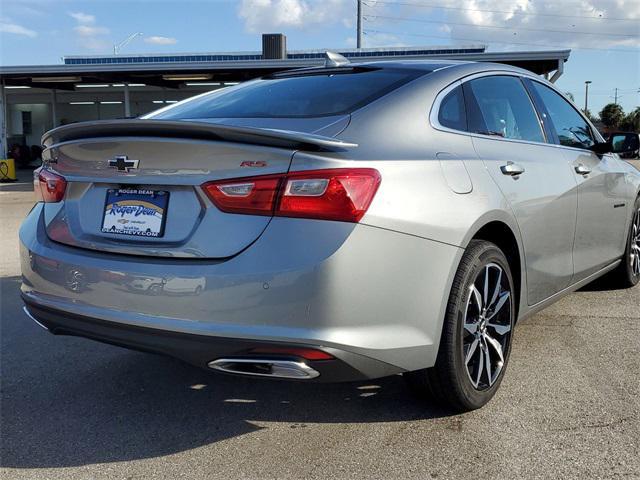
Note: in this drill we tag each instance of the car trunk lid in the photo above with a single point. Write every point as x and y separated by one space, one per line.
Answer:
133 164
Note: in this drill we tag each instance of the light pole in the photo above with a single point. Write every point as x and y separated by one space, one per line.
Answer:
359 26
586 95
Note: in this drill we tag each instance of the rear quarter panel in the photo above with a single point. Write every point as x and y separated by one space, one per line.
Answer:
424 191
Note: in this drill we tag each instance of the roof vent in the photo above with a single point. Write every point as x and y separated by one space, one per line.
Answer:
333 59
274 46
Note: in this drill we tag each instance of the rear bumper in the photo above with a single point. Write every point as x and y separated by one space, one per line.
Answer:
199 350
371 293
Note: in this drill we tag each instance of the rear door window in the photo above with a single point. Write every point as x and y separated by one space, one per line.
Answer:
501 106
571 128
295 95
452 111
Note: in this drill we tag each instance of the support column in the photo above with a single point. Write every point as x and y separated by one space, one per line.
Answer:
3 122
127 103
54 109
559 71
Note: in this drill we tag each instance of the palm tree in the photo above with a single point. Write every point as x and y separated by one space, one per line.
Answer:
612 115
631 121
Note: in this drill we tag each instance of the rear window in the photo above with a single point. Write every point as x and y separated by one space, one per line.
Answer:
294 95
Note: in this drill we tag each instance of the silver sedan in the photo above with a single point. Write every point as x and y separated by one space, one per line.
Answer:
337 223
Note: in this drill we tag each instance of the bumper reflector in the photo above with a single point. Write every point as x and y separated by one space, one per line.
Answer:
306 353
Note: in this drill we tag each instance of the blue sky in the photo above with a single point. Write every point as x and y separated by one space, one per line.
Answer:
604 35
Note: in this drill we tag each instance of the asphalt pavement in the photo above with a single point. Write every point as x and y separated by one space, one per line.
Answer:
569 406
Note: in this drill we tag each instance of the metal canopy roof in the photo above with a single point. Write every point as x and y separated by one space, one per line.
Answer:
152 73
351 53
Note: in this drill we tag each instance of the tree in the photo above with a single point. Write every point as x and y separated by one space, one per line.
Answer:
631 122
570 96
612 115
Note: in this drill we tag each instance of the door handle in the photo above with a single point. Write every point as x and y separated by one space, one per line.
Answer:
582 169
512 169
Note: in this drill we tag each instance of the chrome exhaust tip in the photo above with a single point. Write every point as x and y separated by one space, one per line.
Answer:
28 314
259 367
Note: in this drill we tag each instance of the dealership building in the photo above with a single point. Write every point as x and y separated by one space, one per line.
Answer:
37 98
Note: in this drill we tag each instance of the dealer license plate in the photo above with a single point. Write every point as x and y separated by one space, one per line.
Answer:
135 211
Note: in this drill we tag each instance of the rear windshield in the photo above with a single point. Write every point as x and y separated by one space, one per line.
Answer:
294 95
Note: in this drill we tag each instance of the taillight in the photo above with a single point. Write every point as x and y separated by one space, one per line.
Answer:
338 194
253 196
49 186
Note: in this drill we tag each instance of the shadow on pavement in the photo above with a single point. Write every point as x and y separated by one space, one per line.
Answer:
602 284
24 183
16 187
70 402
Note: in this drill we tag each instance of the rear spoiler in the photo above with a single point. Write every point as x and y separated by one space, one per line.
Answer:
198 130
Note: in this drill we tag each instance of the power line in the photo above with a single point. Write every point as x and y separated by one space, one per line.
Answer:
634 51
509 12
415 20
608 94
620 90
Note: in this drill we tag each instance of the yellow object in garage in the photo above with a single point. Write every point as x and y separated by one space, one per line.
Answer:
7 170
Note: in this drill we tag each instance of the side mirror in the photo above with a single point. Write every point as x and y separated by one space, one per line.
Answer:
601 148
623 143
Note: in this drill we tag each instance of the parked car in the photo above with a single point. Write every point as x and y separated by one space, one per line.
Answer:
383 218
627 143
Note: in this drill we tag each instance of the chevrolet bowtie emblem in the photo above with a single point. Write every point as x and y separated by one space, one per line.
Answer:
122 163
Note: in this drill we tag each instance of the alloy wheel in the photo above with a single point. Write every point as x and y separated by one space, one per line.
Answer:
634 251
488 320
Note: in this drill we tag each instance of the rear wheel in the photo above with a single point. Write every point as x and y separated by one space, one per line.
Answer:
476 336
628 273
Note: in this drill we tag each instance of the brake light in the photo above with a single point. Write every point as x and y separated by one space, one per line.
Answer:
49 187
340 194
337 194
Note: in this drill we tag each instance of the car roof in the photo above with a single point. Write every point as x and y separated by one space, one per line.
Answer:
427 66
434 65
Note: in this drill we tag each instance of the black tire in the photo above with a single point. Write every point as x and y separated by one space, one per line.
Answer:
450 381
627 274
